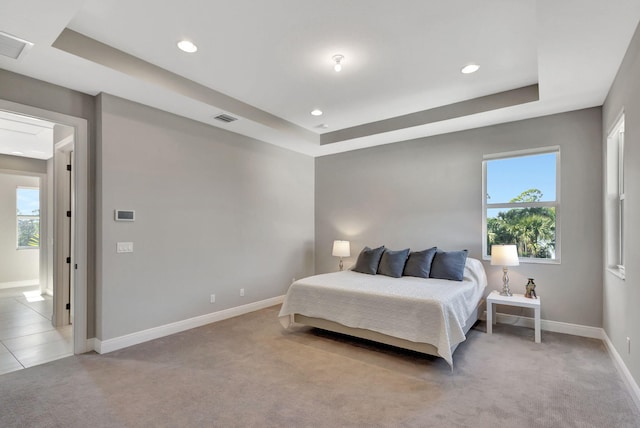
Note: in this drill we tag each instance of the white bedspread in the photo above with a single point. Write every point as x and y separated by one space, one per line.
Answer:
430 310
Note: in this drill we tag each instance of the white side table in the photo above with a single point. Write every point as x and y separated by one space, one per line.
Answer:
494 298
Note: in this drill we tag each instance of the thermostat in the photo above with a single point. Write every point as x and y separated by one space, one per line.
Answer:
125 215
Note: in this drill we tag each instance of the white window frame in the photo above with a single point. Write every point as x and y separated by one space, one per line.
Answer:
615 198
550 204
25 216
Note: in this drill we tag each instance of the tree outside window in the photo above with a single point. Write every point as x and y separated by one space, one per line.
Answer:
521 203
28 217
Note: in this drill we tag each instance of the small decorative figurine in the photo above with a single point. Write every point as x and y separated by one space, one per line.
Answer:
531 290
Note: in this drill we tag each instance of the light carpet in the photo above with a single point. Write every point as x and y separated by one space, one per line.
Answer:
249 372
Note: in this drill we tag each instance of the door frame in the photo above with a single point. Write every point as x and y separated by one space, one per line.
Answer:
81 343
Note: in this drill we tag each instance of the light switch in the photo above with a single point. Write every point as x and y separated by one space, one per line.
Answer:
124 247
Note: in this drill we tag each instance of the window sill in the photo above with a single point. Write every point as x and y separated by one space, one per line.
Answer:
616 272
526 260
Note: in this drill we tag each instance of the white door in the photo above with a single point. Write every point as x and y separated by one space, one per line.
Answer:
63 235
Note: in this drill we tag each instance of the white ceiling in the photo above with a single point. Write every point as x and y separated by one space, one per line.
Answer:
25 136
269 62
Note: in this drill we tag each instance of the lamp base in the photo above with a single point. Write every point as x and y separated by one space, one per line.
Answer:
506 291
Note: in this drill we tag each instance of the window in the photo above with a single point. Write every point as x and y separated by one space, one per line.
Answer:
28 217
614 202
521 203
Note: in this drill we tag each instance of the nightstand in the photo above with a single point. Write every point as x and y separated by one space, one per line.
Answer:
494 298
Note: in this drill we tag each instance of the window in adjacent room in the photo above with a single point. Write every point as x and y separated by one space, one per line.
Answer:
521 203
614 202
28 217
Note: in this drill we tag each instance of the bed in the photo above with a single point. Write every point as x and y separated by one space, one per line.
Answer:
430 315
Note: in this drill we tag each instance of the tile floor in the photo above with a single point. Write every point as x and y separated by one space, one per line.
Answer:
27 337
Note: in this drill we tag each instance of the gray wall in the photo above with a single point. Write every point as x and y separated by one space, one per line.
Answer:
22 165
215 212
428 192
25 90
622 298
15 265
36 93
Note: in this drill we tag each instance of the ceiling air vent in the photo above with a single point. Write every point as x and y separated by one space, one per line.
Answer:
225 118
13 47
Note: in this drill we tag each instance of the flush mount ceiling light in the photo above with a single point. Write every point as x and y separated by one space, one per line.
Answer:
471 68
187 46
337 59
316 112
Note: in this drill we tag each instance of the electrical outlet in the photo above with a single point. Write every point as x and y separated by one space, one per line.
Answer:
629 345
124 247
213 298
242 292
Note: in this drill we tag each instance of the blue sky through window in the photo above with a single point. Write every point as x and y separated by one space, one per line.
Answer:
508 178
28 201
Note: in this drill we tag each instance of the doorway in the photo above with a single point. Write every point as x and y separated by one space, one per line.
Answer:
28 334
75 151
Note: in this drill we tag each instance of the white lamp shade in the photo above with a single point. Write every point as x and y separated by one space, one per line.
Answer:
341 249
504 255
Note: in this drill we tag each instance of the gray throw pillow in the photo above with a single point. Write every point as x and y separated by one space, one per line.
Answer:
368 260
419 263
449 265
392 262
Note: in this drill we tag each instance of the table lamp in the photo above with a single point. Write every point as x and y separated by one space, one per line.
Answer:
504 255
341 249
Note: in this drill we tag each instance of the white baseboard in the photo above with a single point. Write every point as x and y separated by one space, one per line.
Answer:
624 371
110 345
16 284
554 326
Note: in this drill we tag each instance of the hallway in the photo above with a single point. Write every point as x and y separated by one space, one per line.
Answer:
27 337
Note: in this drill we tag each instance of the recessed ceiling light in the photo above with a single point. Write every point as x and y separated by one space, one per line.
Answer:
187 46
316 112
322 126
471 68
17 153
